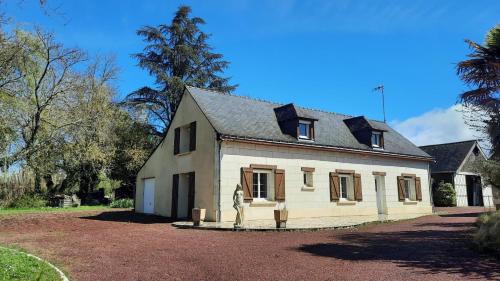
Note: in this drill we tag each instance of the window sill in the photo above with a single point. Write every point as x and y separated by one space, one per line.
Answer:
308 188
410 202
346 203
184 153
263 204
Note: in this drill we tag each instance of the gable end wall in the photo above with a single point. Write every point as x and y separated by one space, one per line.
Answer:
163 164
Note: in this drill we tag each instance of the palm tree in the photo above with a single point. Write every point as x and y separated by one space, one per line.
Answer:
481 72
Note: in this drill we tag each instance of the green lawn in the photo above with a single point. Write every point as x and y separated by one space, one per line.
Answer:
12 211
16 266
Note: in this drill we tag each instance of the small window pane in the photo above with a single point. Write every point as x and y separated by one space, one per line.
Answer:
255 185
343 187
376 139
304 130
410 193
263 185
308 179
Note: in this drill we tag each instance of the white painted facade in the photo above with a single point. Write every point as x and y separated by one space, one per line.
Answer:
461 191
304 202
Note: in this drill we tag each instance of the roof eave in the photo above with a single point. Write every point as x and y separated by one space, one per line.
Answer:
309 145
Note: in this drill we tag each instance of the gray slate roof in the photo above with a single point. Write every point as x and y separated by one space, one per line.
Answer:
250 118
448 156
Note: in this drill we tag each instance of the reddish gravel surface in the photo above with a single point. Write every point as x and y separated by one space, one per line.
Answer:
126 246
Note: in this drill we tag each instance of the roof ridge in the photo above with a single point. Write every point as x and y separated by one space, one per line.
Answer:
239 96
282 104
455 142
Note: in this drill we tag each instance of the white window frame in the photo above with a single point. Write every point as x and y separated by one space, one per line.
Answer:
376 136
269 187
410 189
308 179
308 127
349 192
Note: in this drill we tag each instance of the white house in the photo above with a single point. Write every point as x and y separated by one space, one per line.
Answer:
313 162
455 164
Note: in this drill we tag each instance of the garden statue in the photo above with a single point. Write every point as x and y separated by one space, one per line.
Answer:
238 205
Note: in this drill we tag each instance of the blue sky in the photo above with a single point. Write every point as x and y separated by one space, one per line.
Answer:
319 54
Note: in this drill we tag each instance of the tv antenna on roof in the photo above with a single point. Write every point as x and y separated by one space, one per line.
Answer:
380 89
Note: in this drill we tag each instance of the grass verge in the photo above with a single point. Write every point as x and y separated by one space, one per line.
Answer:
15 211
17 266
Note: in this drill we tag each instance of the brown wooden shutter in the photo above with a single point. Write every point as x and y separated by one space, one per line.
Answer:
382 140
192 136
279 185
247 183
358 192
177 138
401 188
418 188
191 192
334 187
175 195
311 127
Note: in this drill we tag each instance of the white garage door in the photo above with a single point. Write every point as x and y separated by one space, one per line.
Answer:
149 196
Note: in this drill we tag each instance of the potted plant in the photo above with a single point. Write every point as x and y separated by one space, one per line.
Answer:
281 216
198 216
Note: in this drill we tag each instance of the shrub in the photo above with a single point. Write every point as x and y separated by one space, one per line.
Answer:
445 195
29 201
122 203
488 235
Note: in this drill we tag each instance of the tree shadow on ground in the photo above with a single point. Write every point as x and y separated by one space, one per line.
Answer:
462 215
448 249
437 224
431 251
129 216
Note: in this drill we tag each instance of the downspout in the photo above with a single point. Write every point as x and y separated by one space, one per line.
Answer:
218 175
430 185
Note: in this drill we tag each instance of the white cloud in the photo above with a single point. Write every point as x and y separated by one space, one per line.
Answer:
437 126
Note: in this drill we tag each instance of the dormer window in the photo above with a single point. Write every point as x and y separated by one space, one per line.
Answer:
295 121
305 130
377 139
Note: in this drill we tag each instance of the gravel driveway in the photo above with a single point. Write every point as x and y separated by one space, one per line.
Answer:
120 245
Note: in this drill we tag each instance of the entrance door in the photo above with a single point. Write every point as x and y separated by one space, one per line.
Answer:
149 196
182 199
380 190
183 195
474 190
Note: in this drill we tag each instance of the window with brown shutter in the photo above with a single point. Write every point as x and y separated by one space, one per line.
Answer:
358 193
334 187
401 188
247 183
418 189
192 136
177 138
279 185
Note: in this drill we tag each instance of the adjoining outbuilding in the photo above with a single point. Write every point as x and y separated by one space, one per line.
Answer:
455 164
311 162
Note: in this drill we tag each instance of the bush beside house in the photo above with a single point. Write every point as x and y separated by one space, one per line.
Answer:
445 195
488 235
122 203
